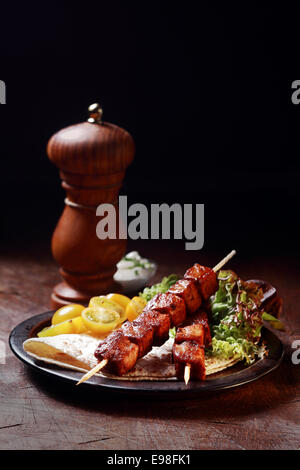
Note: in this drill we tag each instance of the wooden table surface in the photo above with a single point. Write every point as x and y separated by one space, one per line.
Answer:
38 413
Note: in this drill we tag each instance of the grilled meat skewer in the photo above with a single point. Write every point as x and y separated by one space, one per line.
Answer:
119 352
188 349
159 322
191 354
187 289
163 312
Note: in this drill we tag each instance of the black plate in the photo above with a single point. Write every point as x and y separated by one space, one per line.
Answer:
231 377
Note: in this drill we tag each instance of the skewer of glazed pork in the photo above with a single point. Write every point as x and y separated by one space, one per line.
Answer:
189 347
119 352
194 336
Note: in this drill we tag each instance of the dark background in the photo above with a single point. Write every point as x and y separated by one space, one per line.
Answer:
206 94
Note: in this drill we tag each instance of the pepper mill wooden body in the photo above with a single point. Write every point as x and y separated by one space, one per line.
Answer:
92 158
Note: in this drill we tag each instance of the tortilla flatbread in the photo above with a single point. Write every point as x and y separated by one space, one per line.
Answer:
76 352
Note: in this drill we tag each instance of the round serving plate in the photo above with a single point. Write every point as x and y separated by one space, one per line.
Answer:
231 377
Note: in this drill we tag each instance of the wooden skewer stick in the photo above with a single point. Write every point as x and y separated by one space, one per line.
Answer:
93 371
187 369
187 372
224 261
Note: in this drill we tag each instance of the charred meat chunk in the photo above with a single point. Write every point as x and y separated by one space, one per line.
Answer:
160 324
187 290
192 354
120 352
170 304
205 278
140 334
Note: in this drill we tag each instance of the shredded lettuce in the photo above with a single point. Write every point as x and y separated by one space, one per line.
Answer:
230 341
159 288
232 348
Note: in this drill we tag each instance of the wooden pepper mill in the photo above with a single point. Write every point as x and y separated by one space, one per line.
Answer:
92 157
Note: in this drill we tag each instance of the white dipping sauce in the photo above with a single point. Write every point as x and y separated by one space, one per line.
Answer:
134 271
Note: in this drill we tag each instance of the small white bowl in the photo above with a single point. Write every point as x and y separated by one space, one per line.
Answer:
138 283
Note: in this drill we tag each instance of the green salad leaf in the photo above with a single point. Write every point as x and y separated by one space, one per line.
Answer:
159 288
274 322
172 332
238 318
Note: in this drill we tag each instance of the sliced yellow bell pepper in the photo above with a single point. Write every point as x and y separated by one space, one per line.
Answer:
65 327
79 325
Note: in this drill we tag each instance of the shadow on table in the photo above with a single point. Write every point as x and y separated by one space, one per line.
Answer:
280 386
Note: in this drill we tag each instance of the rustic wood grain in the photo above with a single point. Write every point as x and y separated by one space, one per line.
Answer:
37 412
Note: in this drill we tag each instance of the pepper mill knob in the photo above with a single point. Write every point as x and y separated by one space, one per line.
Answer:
92 157
96 113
